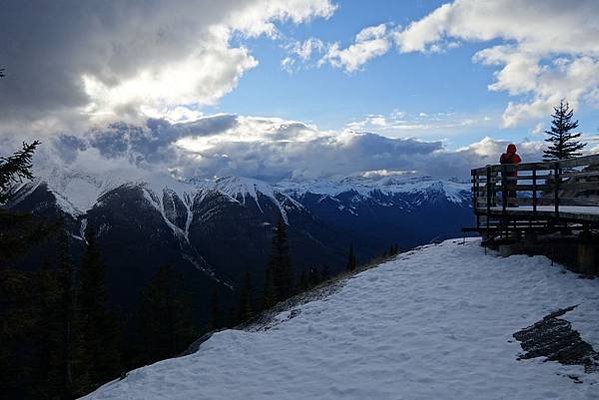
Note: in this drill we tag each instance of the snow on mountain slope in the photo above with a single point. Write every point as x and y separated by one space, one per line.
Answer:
241 189
435 323
389 185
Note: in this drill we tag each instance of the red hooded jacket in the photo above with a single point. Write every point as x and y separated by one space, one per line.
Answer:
510 157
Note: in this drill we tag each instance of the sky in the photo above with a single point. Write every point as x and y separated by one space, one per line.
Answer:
295 89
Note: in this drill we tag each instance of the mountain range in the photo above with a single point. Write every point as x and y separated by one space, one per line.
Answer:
214 231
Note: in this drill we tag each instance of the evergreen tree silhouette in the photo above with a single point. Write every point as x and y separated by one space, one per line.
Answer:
101 331
73 365
165 317
246 311
215 318
352 262
280 266
303 283
563 143
15 168
314 277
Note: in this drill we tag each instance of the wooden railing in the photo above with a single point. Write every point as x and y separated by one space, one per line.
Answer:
572 182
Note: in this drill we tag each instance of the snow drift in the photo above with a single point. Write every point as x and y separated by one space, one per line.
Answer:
434 323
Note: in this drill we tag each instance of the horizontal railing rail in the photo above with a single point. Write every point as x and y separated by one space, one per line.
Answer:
554 184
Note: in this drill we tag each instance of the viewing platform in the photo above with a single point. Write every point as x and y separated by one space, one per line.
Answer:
558 201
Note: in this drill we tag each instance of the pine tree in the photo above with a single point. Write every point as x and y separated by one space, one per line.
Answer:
314 277
270 289
245 304
15 168
326 273
73 366
17 231
352 262
280 266
101 331
47 368
563 142
215 319
165 317
303 283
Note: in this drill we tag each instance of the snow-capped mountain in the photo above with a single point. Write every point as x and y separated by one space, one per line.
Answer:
213 231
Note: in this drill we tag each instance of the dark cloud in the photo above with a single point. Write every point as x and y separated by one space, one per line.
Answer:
68 146
274 149
47 46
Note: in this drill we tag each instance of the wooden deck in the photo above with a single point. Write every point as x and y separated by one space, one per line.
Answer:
551 196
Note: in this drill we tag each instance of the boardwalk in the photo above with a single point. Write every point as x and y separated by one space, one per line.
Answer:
550 197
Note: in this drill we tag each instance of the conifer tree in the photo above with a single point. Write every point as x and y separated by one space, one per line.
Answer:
215 318
326 273
47 367
303 283
17 231
270 289
245 304
314 277
73 366
563 143
352 262
15 168
280 266
165 317
101 331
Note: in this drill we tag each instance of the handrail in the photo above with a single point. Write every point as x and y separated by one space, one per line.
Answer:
554 183
547 165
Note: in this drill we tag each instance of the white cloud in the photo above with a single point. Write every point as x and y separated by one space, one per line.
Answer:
301 53
550 48
402 124
370 42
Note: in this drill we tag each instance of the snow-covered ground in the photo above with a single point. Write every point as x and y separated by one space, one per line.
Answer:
435 323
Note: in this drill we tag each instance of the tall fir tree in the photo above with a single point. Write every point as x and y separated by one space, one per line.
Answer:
18 232
303 283
215 317
73 366
563 142
246 309
15 168
352 262
314 276
100 326
270 289
165 317
280 268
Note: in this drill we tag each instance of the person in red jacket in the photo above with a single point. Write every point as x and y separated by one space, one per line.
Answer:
510 157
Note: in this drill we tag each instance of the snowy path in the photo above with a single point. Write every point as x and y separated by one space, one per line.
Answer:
434 324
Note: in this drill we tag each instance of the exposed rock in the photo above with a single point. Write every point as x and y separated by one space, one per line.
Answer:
554 338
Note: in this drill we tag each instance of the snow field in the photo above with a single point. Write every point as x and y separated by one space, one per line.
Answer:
434 323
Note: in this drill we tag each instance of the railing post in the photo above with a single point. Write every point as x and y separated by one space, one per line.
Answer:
534 190
557 174
488 198
504 188
475 196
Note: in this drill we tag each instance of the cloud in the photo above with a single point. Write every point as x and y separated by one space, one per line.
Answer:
370 42
270 149
114 58
549 51
301 53
402 124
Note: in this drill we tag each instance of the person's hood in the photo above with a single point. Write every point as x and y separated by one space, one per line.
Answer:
511 149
